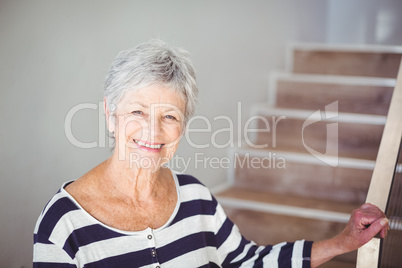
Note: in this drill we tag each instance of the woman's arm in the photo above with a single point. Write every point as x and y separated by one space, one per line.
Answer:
236 251
50 255
365 223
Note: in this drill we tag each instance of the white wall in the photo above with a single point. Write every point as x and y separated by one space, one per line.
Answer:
365 22
54 55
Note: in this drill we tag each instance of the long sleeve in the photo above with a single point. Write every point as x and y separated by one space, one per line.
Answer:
46 254
48 250
239 252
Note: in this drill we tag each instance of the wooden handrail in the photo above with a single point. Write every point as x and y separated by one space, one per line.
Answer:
383 173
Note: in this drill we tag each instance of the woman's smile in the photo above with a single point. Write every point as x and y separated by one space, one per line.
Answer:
148 146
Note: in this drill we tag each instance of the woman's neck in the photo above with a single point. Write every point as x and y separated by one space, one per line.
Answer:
138 184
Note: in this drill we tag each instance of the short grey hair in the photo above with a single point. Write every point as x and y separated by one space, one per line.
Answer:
152 63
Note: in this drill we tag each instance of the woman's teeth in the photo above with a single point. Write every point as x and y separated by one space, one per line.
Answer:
152 146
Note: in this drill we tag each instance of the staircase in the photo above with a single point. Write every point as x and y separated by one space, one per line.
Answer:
310 164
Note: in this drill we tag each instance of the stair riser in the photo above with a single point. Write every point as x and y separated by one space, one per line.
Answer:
352 140
276 174
351 98
355 63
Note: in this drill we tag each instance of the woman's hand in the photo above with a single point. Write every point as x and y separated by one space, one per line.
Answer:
364 224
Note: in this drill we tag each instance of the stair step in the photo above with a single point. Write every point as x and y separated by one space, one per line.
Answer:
304 175
312 92
338 134
368 60
271 226
306 207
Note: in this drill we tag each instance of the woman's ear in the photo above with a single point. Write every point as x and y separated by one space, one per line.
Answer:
110 121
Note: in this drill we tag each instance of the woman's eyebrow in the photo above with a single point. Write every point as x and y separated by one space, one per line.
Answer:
169 109
138 103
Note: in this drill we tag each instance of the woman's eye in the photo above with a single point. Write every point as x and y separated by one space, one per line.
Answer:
171 117
137 112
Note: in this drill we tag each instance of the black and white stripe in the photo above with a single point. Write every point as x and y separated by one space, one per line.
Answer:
198 234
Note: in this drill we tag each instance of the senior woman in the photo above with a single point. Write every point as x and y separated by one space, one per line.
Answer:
132 211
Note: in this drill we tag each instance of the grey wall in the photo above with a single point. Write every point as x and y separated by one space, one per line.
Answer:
54 56
365 22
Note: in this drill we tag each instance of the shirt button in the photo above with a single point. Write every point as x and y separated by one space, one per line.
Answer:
158 266
153 252
149 237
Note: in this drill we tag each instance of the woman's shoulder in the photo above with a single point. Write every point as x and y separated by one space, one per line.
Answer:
192 189
62 207
60 201
186 179
56 209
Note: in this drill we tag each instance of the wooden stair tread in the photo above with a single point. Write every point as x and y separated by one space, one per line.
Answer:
294 154
365 95
287 200
354 61
336 179
356 99
357 136
269 109
290 148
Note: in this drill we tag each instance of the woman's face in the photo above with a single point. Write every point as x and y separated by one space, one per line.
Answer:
149 125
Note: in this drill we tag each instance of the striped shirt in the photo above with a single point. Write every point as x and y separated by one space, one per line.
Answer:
198 234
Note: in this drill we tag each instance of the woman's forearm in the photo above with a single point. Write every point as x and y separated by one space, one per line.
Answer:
365 222
323 251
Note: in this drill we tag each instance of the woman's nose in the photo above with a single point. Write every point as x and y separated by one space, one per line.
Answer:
155 127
